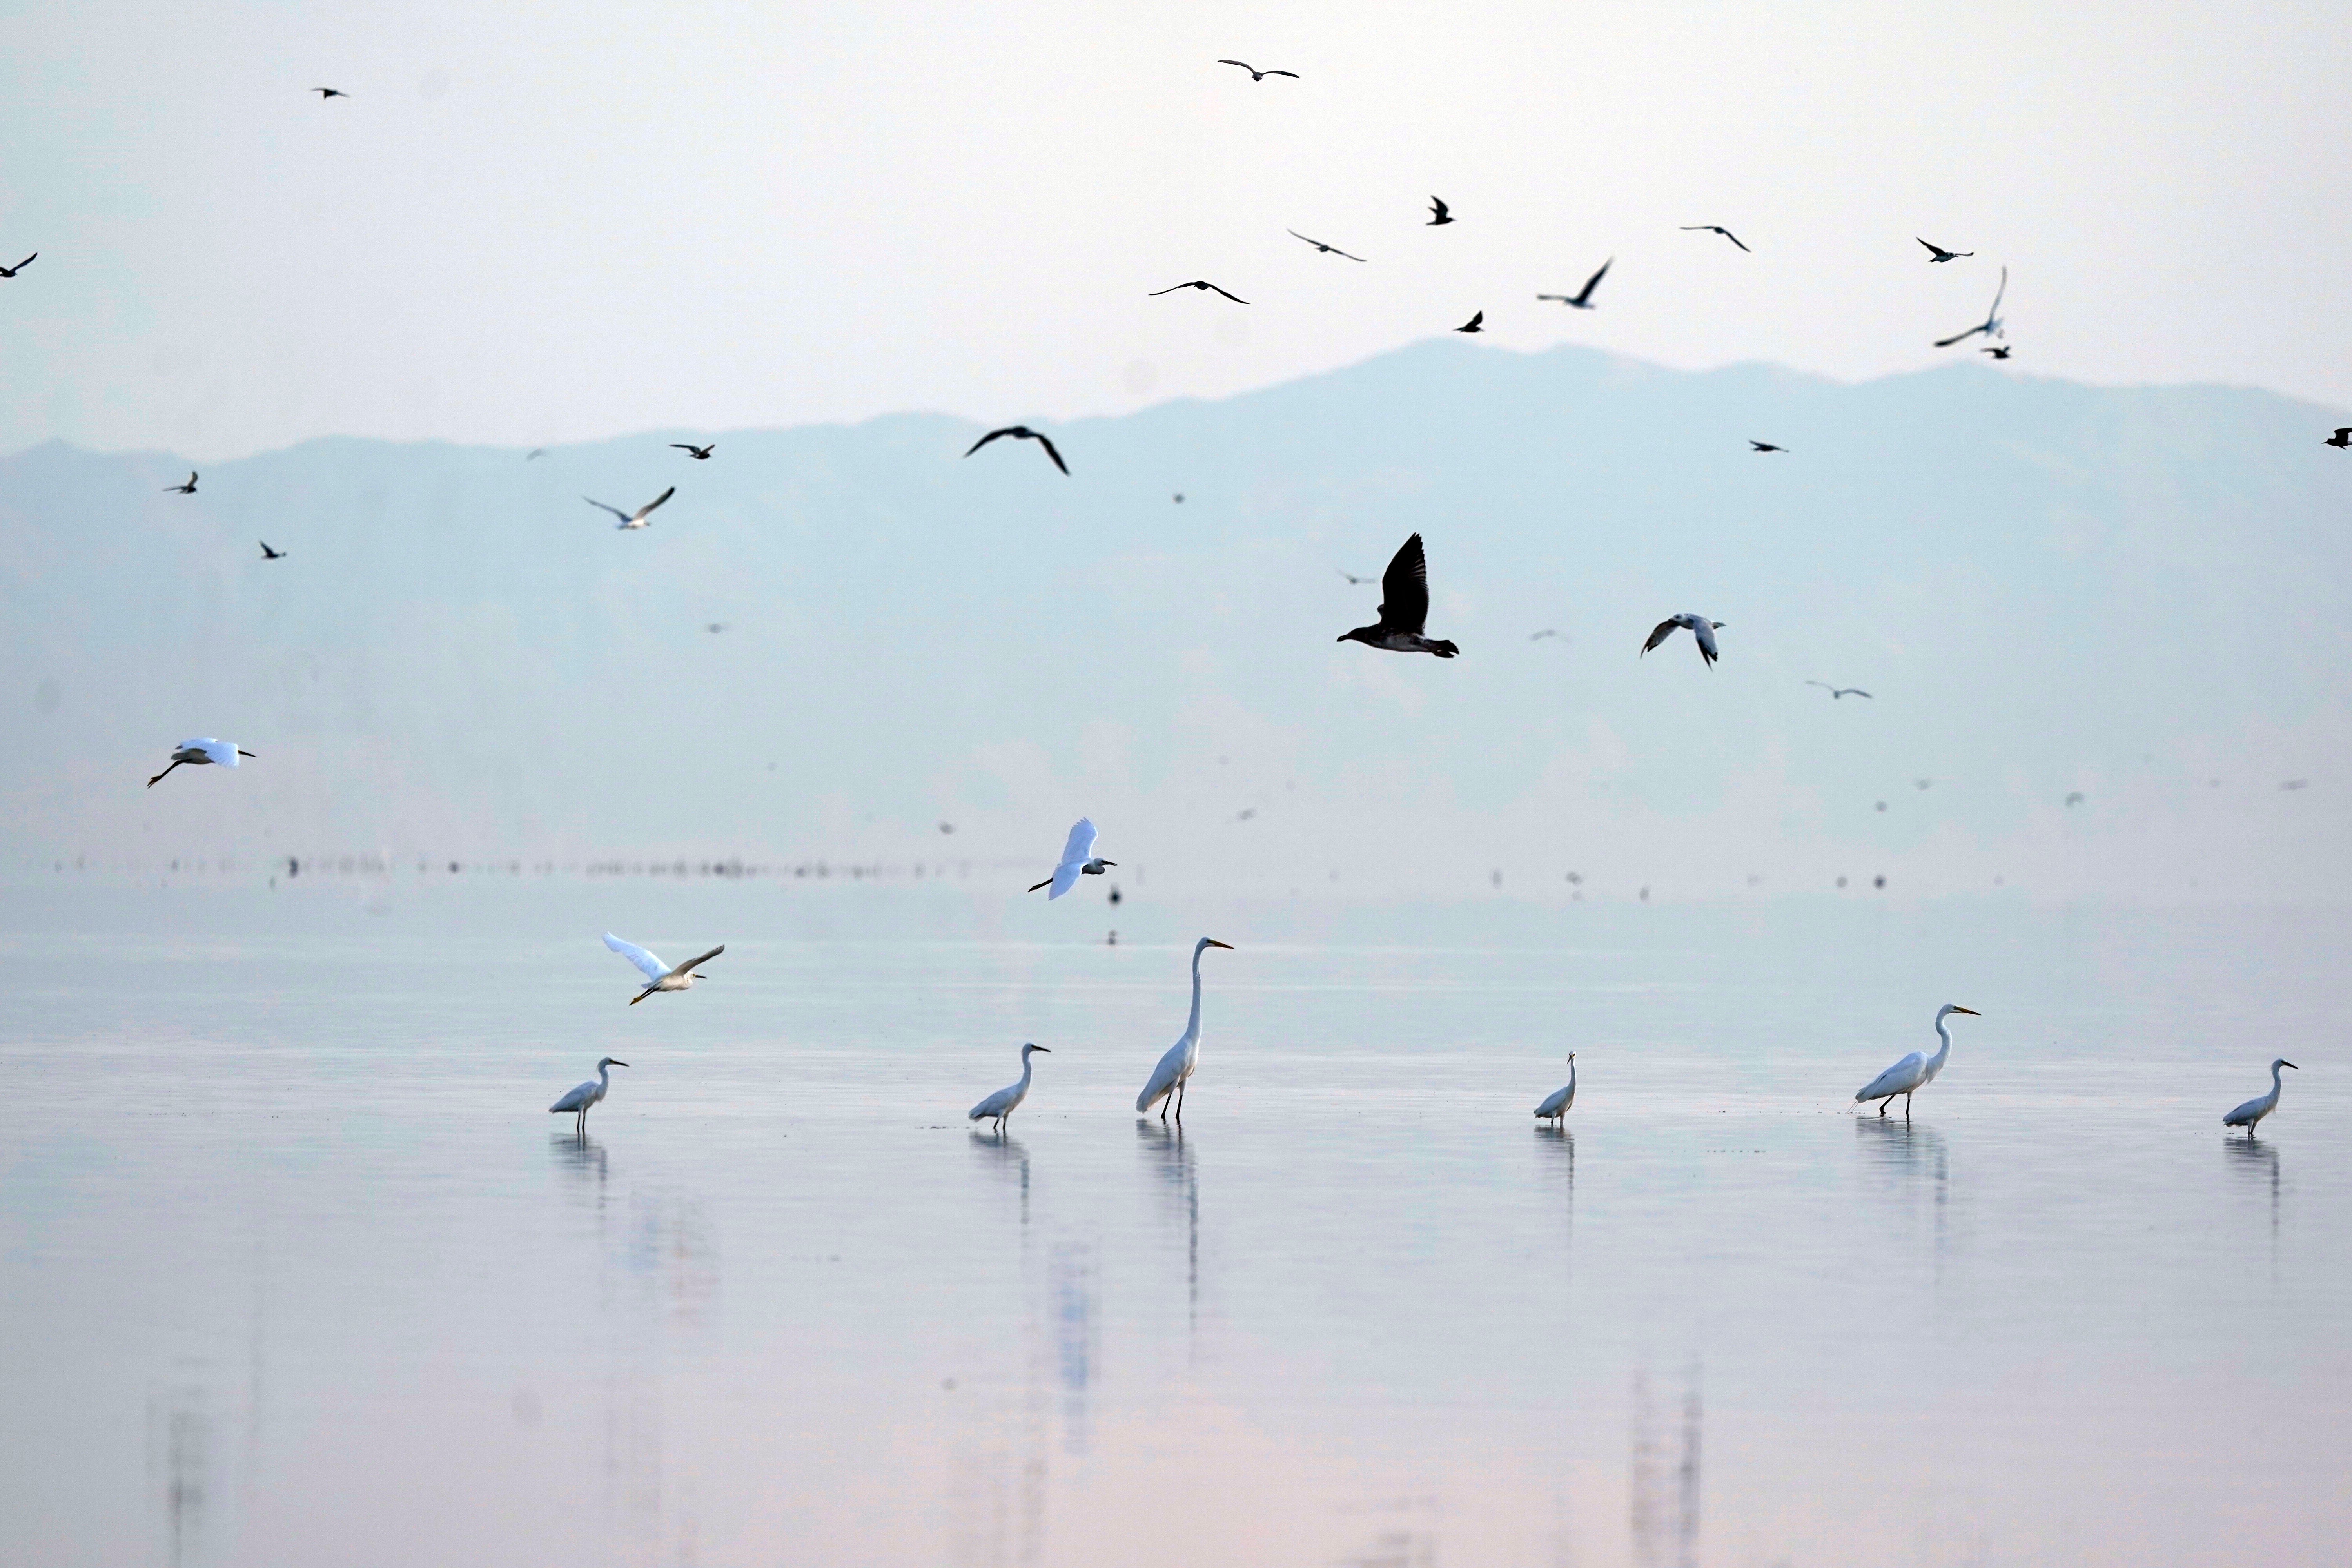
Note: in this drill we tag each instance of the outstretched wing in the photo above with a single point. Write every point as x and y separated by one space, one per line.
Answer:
656 502
691 964
1244 64
1993 315
1080 848
1931 250
1050 452
985 440
1292 75
1237 299
600 506
1665 629
651 967
1594 281
1405 589
1705 634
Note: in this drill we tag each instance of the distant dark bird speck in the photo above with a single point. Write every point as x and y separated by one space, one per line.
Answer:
2296 784
1764 445
187 490
1712 228
1326 249
947 828
1353 578
1473 324
12 272
534 452
1841 691
1180 498
1938 253
1257 74
1020 433
2076 798
1547 632
1439 212
1196 283
1699 626
701 454
2342 438
1404 608
269 554
714 626
1998 351
641 518
327 92
1990 326
1582 299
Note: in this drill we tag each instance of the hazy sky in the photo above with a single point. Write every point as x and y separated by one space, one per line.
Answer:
530 223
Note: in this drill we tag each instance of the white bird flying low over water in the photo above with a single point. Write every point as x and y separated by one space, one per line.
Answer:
199 751
1914 1072
659 975
1168 1079
1404 608
1078 859
1007 1100
642 517
587 1094
2262 1105
1700 628
1556 1106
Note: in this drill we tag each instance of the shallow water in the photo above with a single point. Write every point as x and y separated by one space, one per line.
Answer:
294 1268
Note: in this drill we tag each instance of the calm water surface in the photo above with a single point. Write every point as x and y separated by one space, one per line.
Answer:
295 1268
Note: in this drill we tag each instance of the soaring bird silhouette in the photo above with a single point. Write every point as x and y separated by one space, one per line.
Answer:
1439 212
1582 299
187 490
269 554
1196 283
1257 74
1326 249
1764 445
1404 608
1353 578
1712 228
327 92
1473 324
701 454
2343 438
12 272
1700 628
1998 351
1020 433
1838 691
1990 326
642 517
1938 253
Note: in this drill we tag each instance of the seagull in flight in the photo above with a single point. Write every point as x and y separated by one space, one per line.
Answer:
1196 283
1764 445
1547 632
1352 579
1257 74
1078 859
1998 351
1938 253
327 92
660 976
701 453
12 272
1326 249
269 554
1440 213
641 518
2343 438
1021 433
201 751
1700 628
1990 326
1838 691
187 490
1473 324
1582 299
1713 228
1404 608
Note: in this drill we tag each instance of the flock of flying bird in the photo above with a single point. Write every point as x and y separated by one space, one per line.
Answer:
1401 627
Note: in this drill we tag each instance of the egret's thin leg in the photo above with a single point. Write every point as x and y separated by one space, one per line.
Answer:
1885 1103
159 777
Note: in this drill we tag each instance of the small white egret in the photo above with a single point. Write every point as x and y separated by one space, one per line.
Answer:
1914 1072
1175 1068
1078 859
201 751
659 975
2262 1105
587 1094
1556 1106
1007 1100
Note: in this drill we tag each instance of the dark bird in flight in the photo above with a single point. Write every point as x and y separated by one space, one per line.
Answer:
1938 253
1998 351
1473 324
1353 580
1990 326
269 554
1021 433
700 453
1440 214
1713 228
327 92
1547 632
715 627
2341 439
1255 74
12 272
1582 299
534 452
641 518
1326 249
187 490
1700 628
1764 445
1404 608
1196 283
2076 798
2294 784
1838 691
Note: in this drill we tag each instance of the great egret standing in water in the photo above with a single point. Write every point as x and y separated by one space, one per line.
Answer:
588 1094
1556 1106
1175 1068
1914 1072
2262 1105
1006 1101
659 975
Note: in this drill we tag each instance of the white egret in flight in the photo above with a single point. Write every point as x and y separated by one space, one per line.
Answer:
201 751
2262 1105
1176 1066
659 975
1914 1072
1991 326
1007 1100
1078 859
642 517
587 1094
1556 1106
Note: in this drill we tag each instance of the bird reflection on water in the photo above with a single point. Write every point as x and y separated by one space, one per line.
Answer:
1171 1158
582 1158
1907 1149
2257 1161
1002 1151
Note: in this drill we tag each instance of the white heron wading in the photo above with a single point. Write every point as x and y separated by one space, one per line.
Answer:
1168 1079
1007 1100
588 1093
1555 1108
660 976
1914 1072
2262 1105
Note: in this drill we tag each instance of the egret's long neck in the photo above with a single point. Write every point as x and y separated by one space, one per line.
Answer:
1192 1025
1946 1048
1024 1072
604 1075
1571 1080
